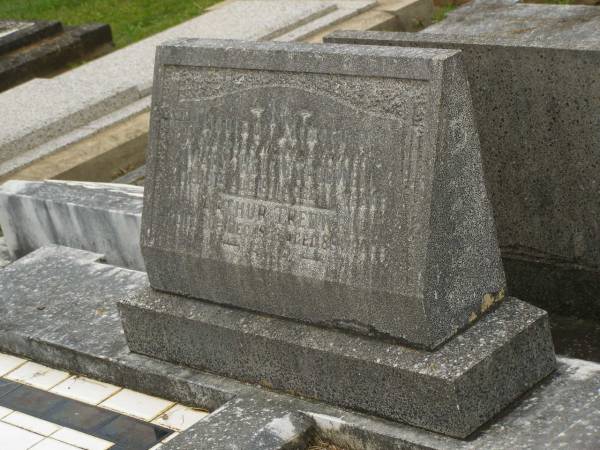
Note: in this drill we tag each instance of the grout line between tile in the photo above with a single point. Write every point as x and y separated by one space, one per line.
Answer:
109 397
160 413
14 368
23 428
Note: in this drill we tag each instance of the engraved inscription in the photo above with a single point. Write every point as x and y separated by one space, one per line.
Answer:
284 180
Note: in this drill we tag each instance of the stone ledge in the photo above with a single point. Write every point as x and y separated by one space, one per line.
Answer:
453 390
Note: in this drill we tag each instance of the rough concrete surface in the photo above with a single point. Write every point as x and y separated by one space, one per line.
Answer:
61 311
344 11
25 159
453 390
572 26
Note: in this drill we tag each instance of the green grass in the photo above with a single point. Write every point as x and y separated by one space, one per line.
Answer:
442 11
130 20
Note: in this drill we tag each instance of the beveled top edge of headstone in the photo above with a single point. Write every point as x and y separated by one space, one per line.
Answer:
339 59
379 38
126 199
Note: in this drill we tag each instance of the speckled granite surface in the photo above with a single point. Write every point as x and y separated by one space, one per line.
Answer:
537 101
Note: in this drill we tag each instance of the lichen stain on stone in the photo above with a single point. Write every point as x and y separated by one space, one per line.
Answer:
490 299
266 383
487 303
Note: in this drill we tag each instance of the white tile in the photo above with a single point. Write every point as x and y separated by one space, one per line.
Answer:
4 411
38 376
15 438
31 423
9 363
81 440
169 437
179 417
51 444
137 404
85 390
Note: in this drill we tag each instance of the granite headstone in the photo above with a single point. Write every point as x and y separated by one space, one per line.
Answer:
335 185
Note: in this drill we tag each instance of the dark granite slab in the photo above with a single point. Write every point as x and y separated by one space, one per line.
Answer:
42 49
537 103
15 34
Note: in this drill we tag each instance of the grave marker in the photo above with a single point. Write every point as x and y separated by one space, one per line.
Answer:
331 185
317 217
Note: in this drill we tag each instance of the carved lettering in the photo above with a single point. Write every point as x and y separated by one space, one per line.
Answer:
272 188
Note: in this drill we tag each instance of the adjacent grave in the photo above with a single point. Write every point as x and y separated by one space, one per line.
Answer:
537 104
98 217
572 25
41 49
293 185
5 258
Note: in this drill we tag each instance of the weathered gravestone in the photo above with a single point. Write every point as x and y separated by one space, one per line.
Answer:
537 104
338 186
346 198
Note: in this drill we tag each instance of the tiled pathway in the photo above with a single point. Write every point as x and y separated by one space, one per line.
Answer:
47 409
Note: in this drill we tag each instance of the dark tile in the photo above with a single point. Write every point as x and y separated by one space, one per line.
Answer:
31 401
132 434
57 409
126 432
7 386
80 416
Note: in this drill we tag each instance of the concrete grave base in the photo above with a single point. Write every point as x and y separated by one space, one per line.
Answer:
452 390
58 307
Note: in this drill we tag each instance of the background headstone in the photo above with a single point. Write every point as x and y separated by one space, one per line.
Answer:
575 25
537 103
